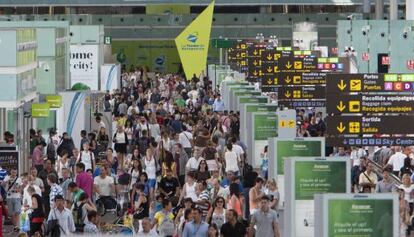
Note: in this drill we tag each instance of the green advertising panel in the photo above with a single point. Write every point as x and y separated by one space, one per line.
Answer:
319 177
360 218
54 101
252 100
265 126
40 110
157 55
287 149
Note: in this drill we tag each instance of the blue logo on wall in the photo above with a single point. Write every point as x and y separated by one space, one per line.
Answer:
160 60
193 37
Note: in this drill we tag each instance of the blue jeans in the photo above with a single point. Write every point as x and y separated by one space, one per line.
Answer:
246 203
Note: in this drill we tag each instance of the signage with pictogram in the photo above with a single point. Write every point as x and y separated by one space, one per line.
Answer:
301 92
341 125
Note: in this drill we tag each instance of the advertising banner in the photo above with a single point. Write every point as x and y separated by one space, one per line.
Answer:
263 126
192 43
281 149
54 101
249 108
306 177
84 65
370 215
110 77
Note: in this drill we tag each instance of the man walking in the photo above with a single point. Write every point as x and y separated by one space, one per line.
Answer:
265 220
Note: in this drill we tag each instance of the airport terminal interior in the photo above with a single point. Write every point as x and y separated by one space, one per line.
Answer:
207 118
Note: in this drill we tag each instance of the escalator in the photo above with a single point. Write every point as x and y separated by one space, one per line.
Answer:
378 171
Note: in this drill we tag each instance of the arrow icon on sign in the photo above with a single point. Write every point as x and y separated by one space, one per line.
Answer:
269 69
341 128
288 65
288 80
260 73
255 63
269 57
342 85
255 73
287 94
269 81
255 52
341 107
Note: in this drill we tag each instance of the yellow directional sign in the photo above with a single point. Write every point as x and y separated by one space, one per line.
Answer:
243 46
255 62
297 79
269 69
297 94
287 79
283 123
354 106
292 123
288 94
269 81
354 127
288 65
341 85
341 128
255 73
260 73
275 81
255 52
341 107
269 57
243 55
355 85
297 65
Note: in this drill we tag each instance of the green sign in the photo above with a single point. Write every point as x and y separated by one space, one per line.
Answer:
261 108
252 100
265 126
360 218
287 149
108 40
54 101
223 43
40 110
312 177
246 92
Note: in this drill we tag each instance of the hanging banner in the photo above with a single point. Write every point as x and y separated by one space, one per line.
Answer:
192 43
84 65
54 101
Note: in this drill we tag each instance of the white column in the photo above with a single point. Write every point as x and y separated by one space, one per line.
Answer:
393 9
409 10
379 9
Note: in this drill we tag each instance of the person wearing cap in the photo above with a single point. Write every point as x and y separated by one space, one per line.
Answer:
63 215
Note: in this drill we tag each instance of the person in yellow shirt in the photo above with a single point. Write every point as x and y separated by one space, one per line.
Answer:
164 219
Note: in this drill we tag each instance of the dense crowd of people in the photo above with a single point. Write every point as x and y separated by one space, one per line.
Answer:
173 165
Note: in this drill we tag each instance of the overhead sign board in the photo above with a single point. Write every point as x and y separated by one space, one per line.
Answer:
301 92
301 103
370 141
370 103
403 124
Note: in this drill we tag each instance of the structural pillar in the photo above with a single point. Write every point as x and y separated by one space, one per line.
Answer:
393 9
379 9
366 7
409 10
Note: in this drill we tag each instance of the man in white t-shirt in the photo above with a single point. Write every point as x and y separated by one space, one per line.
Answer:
186 139
237 149
356 153
12 184
193 162
27 198
104 184
397 160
